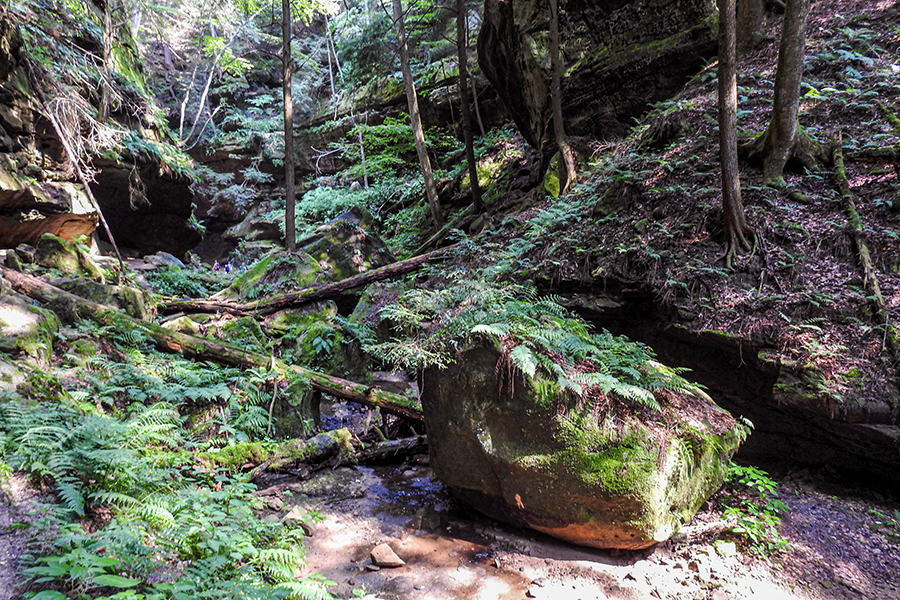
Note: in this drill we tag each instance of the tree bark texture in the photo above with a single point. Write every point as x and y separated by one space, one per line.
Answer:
567 172
310 294
750 15
781 134
462 58
290 234
737 231
218 352
415 117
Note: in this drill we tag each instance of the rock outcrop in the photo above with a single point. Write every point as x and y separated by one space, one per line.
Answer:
600 477
619 56
140 183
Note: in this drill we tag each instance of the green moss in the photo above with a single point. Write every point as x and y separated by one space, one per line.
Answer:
235 457
246 332
619 54
275 273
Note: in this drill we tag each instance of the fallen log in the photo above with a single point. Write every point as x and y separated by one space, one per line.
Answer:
211 350
310 294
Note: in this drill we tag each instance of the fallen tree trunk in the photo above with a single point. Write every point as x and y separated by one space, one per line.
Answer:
310 294
218 352
331 448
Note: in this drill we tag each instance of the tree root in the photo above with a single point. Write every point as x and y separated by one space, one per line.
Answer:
870 280
806 151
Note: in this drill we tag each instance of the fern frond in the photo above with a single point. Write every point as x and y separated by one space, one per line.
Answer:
524 360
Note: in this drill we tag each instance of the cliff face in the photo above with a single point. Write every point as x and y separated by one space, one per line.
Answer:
619 56
48 65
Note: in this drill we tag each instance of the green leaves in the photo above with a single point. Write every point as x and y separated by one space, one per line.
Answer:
539 337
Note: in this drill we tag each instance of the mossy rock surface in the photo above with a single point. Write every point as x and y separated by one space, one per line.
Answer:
347 245
27 329
611 477
276 273
132 300
53 252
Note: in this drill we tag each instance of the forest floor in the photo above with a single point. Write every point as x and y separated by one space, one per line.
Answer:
837 550
452 554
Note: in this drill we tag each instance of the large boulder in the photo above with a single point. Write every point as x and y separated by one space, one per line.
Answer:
347 245
133 300
619 56
601 476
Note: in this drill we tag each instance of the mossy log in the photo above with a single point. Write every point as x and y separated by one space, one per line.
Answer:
870 279
310 294
289 454
218 352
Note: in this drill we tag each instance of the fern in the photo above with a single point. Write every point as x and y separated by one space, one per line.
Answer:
540 337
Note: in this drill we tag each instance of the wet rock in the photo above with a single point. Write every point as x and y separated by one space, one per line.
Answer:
531 457
383 556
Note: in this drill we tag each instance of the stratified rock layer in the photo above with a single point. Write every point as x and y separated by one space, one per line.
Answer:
601 477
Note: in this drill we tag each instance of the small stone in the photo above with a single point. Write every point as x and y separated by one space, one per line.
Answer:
384 556
373 568
719 595
275 503
694 566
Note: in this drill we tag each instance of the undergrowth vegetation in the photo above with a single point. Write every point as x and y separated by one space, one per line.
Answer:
537 335
139 516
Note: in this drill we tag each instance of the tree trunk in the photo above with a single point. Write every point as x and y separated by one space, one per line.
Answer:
750 14
311 294
290 235
781 136
106 78
466 110
218 352
737 231
415 118
567 172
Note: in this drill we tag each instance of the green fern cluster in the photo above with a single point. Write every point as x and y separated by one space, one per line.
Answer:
176 532
119 450
538 335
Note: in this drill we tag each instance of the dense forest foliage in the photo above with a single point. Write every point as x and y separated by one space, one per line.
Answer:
641 209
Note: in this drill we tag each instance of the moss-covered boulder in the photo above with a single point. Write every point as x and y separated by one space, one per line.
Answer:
347 245
134 301
53 252
276 273
27 329
10 375
607 475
